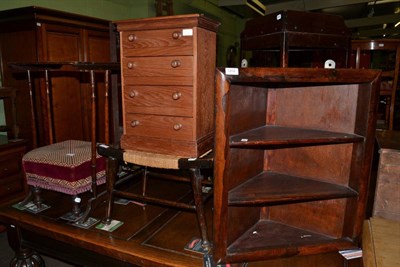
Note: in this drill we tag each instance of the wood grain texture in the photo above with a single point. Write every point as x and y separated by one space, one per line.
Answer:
160 100
156 43
161 57
381 239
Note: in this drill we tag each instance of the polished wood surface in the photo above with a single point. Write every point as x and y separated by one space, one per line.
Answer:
293 152
167 68
150 235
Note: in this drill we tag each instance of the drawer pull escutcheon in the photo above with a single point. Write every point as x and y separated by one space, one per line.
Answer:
130 65
132 94
175 63
131 37
177 127
176 95
176 35
135 123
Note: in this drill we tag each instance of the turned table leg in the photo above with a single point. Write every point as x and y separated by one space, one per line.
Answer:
24 257
197 192
112 169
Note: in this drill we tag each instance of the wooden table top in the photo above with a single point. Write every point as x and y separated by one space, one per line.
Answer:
150 235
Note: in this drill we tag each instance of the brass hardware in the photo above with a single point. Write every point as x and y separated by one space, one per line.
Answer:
133 93
176 95
130 65
134 123
175 63
176 35
132 37
177 127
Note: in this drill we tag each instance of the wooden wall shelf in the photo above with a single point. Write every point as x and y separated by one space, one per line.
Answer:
293 152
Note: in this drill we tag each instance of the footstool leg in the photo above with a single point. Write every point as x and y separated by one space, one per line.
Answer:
76 207
37 197
28 197
198 200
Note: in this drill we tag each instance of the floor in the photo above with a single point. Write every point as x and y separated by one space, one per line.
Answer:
6 254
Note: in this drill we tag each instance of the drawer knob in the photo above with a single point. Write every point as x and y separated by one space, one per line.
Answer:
175 63
132 94
176 95
177 127
134 123
131 37
176 35
5 169
130 65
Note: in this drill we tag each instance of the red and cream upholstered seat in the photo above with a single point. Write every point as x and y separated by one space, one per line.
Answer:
63 167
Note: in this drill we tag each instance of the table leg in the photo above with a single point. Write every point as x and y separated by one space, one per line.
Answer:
196 180
23 256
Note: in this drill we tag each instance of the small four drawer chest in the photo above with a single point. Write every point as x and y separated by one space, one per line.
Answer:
168 68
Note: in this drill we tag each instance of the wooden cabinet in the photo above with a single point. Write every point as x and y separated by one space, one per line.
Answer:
295 39
168 68
12 181
382 54
293 152
33 34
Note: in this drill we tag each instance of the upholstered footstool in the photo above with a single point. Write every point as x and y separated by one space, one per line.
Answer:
65 167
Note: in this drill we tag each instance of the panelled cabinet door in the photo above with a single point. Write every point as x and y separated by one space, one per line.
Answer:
97 49
71 119
58 44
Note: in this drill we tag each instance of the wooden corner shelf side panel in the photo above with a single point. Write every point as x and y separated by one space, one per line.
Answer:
293 150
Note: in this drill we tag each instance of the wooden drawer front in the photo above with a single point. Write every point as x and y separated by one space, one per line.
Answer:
10 185
178 128
9 165
159 100
158 66
156 43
